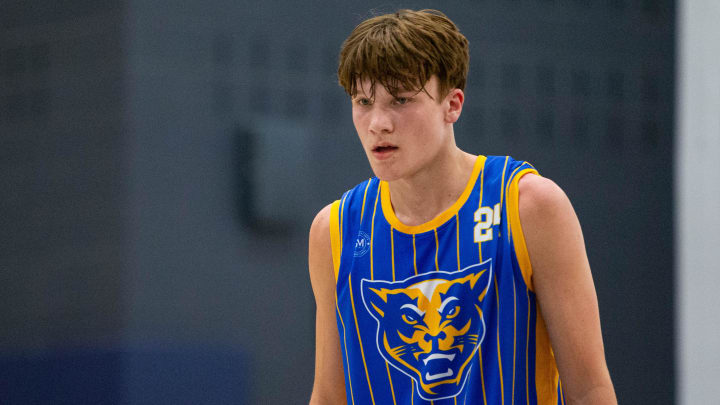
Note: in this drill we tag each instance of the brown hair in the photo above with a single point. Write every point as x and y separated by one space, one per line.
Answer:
403 50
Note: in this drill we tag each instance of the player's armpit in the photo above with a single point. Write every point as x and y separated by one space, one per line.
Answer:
565 290
329 385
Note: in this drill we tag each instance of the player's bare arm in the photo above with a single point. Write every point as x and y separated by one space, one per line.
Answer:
565 290
329 385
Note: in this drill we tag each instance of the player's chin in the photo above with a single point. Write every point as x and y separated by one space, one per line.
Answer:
384 173
389 169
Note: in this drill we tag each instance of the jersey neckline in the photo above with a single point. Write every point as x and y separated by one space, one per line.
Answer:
443 217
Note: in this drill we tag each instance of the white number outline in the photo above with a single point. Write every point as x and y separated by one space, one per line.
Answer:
486 217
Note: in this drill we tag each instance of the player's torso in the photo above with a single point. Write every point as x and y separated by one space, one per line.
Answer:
438 313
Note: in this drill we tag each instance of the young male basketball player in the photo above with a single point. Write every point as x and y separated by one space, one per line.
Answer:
448 278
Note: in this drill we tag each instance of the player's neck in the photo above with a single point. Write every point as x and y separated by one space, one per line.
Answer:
422 197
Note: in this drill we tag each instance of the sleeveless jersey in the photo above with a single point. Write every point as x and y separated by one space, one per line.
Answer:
444 312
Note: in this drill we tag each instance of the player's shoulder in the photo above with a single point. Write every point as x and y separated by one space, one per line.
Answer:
540 199
536 187
320 227
319 249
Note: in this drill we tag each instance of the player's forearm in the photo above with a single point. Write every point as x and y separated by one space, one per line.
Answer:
320 399
599 395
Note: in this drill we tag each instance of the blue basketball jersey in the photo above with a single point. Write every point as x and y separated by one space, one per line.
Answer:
444 312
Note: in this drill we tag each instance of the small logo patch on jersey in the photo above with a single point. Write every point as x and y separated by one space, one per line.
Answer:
431 325
362 244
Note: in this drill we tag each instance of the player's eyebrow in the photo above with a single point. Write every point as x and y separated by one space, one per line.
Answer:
360 94
403 92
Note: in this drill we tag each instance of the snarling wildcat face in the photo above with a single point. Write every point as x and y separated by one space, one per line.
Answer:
430 325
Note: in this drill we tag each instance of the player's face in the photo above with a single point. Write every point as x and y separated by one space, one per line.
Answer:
405 134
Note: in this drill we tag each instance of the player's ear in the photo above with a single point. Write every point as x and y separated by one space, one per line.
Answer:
454 102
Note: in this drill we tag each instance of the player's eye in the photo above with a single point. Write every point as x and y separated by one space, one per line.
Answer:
363 101
401 100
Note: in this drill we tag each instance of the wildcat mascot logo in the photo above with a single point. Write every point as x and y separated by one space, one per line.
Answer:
431 325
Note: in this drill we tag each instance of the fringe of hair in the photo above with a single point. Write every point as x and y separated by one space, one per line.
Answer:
402 50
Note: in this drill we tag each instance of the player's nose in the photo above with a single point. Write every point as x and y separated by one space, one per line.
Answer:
380 122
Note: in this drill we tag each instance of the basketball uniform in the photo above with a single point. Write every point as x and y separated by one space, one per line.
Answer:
444 312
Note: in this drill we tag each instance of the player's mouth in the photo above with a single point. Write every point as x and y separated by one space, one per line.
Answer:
383 150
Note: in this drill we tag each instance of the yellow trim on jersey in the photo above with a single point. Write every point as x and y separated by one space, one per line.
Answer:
357 329
392 389
437 247
546 373
414 255
480 257
482 375
527 351
342 211
335 243
480 200
513 215
362 210
457 239
502 383
392 252
502 181
372 237
392 258
440 219
347 359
